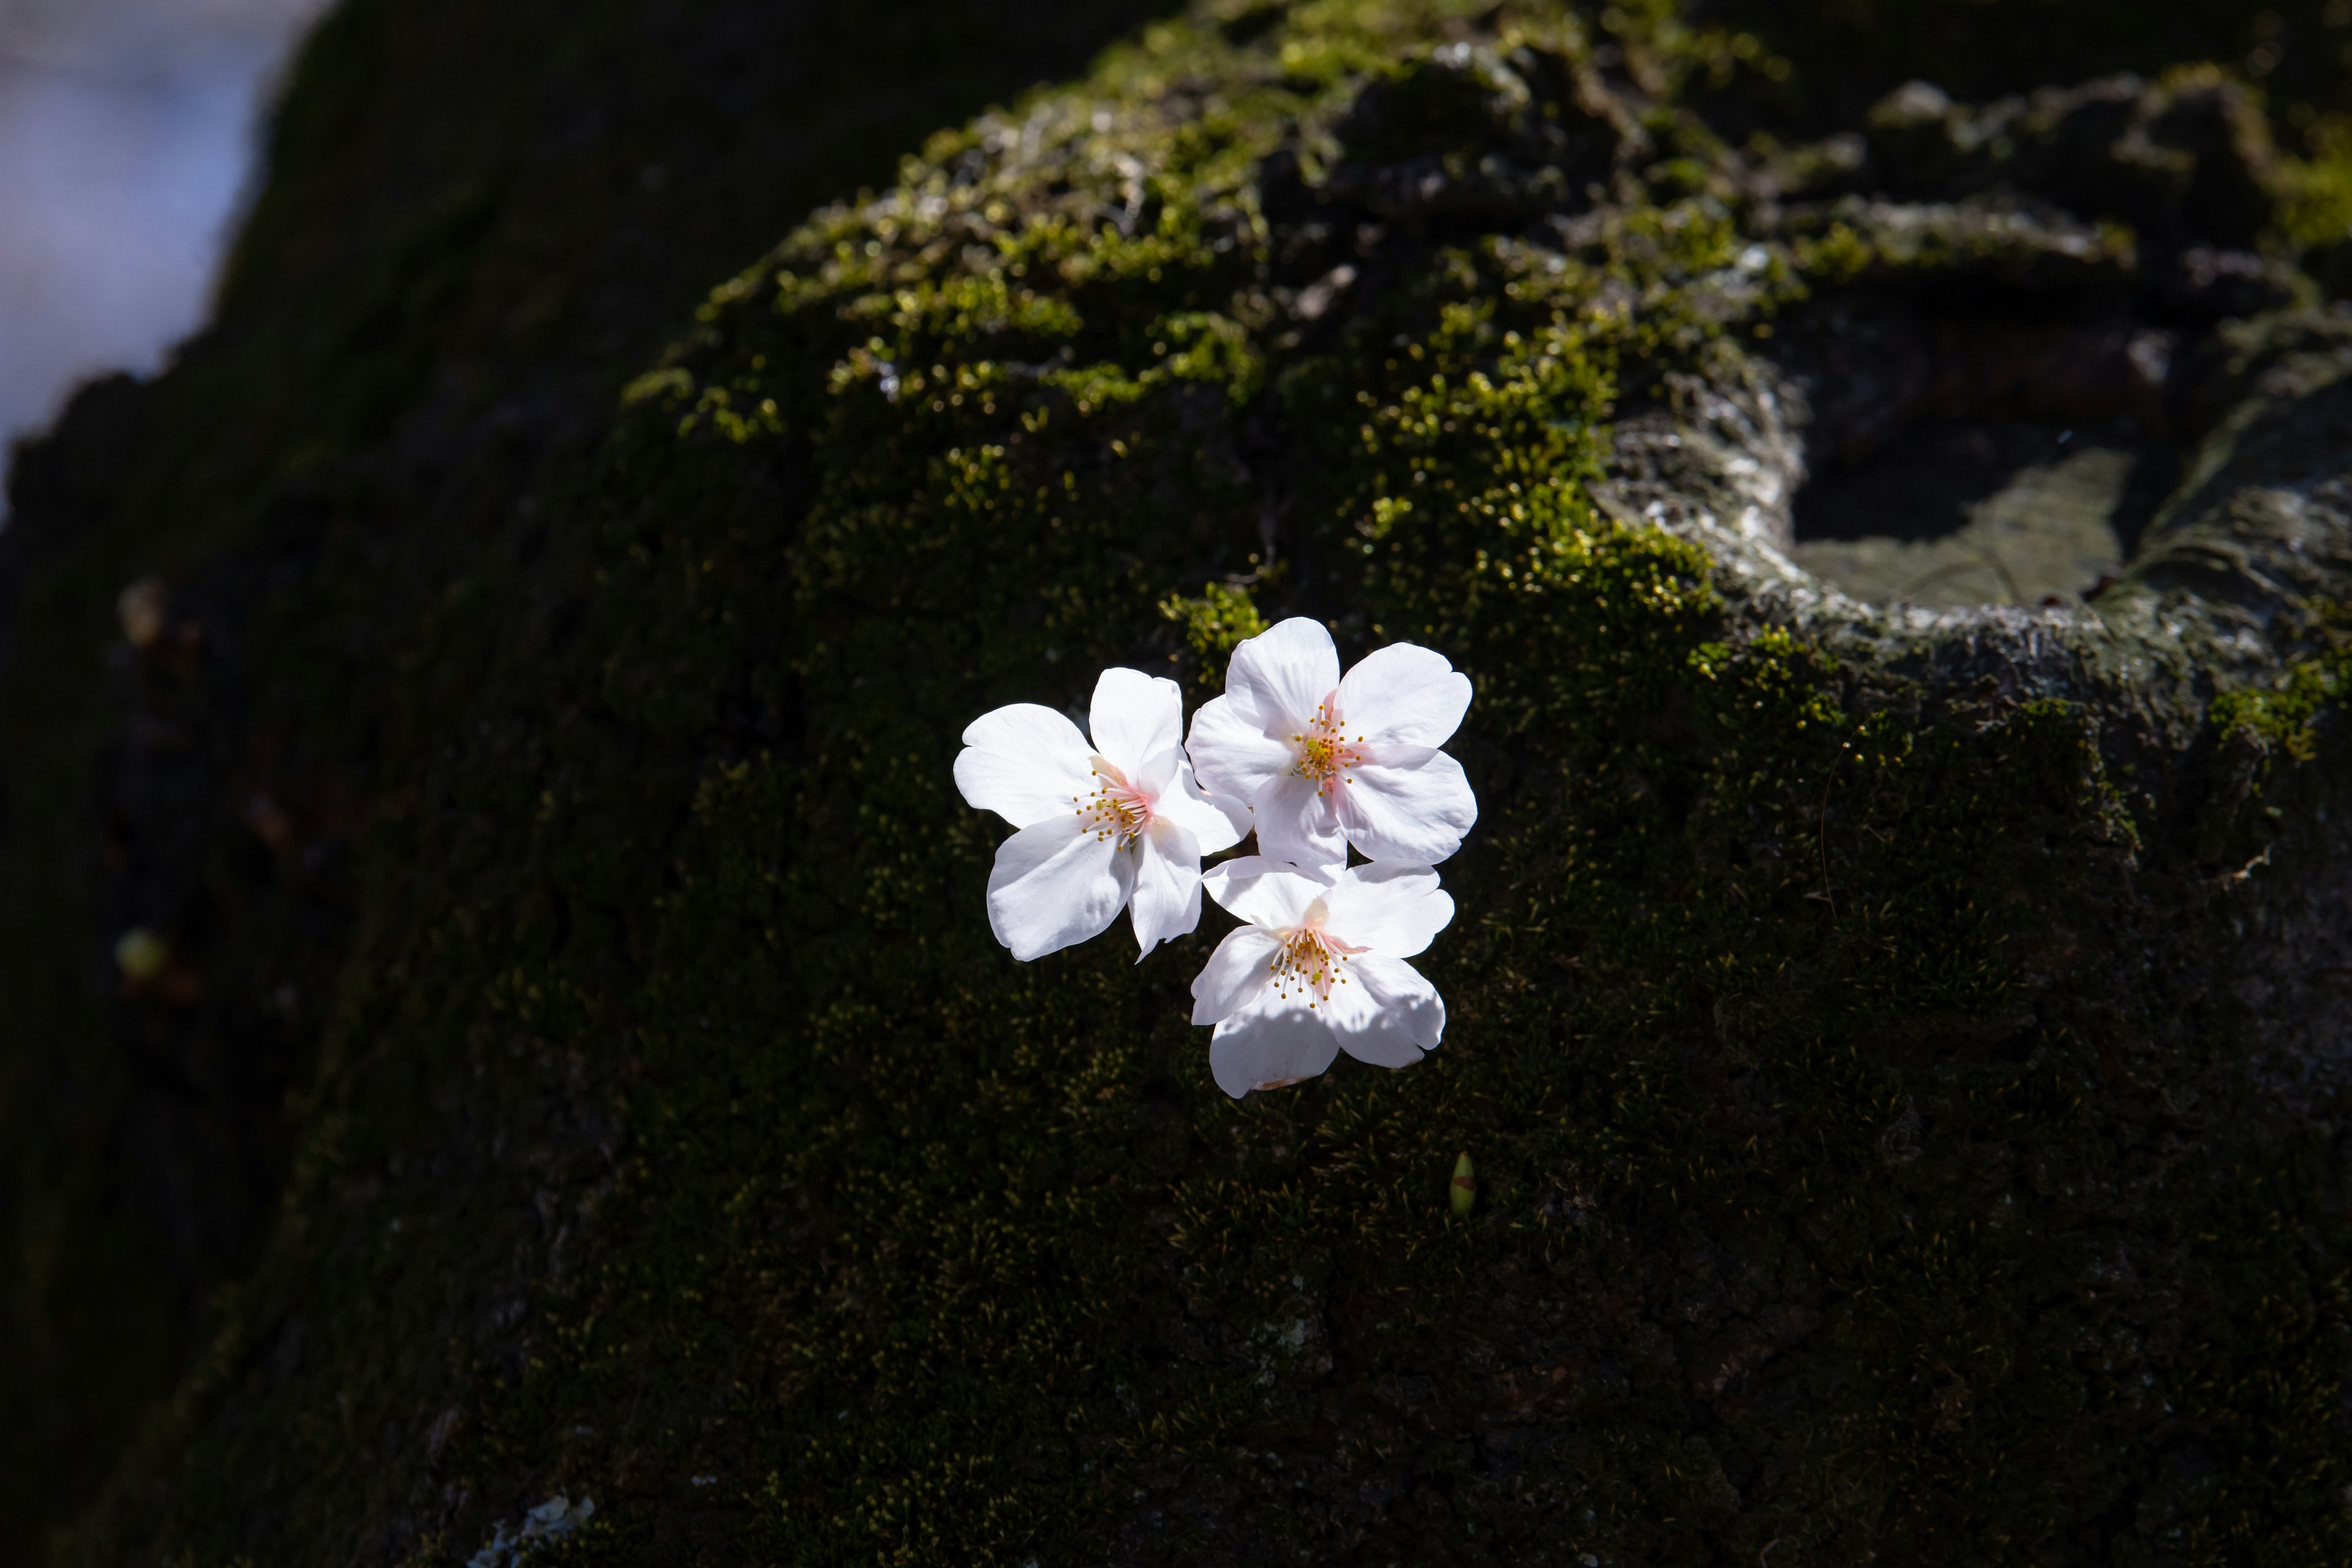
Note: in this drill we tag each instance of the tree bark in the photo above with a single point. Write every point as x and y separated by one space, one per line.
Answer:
1900 1044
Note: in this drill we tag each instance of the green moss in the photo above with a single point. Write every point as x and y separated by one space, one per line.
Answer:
1767 970
1216 620
1868 1162
467 210
2286 716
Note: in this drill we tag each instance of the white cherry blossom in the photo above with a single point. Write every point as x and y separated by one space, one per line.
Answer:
1320 969
1111 824
1315 761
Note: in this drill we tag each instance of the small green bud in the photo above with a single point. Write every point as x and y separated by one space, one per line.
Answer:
1465 1187
141 955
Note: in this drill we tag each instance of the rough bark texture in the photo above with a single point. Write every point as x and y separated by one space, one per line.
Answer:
1903 1047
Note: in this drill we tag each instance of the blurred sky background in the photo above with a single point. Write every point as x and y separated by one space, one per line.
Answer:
128 130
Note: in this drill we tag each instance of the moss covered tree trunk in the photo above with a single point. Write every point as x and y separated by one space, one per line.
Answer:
1900 1038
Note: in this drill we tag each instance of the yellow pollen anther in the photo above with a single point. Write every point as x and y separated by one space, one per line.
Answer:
1325 751
1117 812
1310 961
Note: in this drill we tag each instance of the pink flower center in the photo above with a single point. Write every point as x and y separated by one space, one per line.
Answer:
1326 751
1117 810
1309 961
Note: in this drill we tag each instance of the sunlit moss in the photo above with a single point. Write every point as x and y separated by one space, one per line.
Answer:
2286 714
1863 1168
1755 963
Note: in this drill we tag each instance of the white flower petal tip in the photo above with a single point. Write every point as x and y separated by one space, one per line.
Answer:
1315 761
1023 762
1055 885
1320 969
1271 1050
1136 718
1107 822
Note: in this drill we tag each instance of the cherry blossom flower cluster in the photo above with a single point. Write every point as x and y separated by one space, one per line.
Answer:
1313 762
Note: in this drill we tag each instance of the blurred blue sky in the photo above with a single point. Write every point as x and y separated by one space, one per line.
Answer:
126 134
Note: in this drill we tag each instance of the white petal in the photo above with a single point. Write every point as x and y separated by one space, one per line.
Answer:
1262 891
1415 812
1056 884
1350 1008
1393 1014
1135 717
1234 974
1234 757
1269 1046
1181 802
1295 823
1391 907
1283 674
1026 763
1156 771
1403 695
1166 884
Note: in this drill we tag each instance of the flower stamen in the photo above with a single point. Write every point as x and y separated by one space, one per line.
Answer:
1310 961
1117 810
1326 751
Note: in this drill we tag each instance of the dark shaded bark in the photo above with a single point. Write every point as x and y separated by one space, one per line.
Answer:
1903 1045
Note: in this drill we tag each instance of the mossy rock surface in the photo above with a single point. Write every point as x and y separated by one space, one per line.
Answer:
1901 1047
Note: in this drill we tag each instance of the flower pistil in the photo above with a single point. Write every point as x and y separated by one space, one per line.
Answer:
1117 812
1326 751
1309 961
